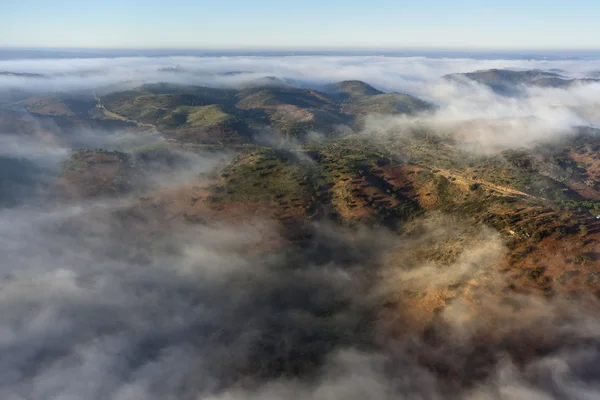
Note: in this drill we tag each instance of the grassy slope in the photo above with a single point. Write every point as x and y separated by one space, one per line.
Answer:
387 104
292 111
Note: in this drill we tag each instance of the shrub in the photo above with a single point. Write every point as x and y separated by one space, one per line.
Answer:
535 273
544 280
582 259
566 277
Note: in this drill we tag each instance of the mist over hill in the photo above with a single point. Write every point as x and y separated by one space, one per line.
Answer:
315 226
509 82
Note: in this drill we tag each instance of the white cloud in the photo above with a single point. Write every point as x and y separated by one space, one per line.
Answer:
94 304
538 114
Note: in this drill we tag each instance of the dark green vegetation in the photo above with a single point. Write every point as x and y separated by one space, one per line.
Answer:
337 182
267 175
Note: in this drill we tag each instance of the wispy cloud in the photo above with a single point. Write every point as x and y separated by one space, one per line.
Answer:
115 299
492 119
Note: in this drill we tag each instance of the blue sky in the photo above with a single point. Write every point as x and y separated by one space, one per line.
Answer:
314 24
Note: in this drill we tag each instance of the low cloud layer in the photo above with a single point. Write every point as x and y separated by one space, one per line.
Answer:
405 74
91 310
114 299
486 121
469 109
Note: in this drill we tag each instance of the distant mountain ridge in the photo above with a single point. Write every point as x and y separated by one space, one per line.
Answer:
264 105
510 82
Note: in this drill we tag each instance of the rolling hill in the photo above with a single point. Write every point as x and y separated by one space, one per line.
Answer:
292 111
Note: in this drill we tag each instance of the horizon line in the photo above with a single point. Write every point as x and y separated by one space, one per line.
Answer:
302 49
